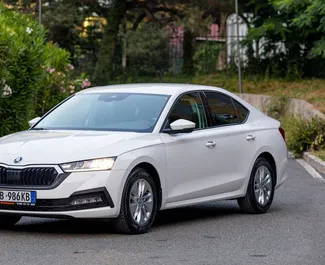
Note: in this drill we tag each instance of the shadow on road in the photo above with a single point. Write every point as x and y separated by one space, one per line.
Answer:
196 213
180 216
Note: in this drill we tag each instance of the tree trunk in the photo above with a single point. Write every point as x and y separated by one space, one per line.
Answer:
257 53
189 51
124 47
222 57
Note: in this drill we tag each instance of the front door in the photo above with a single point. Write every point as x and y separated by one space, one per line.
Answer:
190 168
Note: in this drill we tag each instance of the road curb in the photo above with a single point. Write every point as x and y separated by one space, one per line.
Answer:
314 161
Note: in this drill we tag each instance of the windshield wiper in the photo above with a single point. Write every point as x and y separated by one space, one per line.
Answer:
39 129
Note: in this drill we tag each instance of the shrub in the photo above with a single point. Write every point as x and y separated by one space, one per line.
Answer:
303 135
28 85
21 47
276 107
206 56
147 50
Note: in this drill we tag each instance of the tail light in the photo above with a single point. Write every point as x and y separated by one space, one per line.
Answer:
282 133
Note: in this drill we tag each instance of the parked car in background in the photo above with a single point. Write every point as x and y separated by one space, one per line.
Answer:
125 152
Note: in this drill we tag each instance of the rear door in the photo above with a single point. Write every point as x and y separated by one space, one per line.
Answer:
235 141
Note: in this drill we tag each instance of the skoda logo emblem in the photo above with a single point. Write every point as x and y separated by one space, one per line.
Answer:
18 160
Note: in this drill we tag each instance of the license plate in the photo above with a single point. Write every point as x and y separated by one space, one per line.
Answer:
17 197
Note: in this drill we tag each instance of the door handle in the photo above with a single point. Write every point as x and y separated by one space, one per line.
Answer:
210 144
250 138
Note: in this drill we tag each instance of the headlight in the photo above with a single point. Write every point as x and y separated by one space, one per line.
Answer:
89 165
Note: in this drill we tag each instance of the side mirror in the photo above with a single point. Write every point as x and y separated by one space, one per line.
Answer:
34 121
181 126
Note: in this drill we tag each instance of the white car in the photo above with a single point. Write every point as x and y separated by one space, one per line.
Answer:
125 152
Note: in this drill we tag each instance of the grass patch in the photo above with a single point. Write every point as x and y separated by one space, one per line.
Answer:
320 154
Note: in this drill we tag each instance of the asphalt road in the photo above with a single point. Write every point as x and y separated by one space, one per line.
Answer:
291 233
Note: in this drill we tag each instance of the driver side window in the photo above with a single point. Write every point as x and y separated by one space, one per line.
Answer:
189 107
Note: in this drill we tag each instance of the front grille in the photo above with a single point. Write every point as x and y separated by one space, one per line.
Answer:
28 177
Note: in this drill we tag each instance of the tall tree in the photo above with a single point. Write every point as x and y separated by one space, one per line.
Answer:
289 35
309 18
160 12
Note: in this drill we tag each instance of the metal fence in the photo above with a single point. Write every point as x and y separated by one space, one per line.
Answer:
212 52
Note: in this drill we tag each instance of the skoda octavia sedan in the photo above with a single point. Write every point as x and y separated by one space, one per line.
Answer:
125 152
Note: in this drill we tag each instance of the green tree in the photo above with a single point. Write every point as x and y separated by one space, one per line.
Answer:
195 24
34 75
133 13
298 27
309 18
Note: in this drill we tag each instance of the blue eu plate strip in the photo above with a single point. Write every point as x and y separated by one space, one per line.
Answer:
33 197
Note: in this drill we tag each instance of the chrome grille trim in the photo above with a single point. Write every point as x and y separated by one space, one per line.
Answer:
31 176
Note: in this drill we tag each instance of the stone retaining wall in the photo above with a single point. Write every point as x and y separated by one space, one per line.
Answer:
294 106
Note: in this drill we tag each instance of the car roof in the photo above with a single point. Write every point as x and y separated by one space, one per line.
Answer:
159 88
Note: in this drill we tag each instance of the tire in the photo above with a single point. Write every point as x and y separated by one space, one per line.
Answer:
125 223
253 202
8 221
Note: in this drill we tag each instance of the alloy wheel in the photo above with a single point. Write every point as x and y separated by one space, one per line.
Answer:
263 185
141 202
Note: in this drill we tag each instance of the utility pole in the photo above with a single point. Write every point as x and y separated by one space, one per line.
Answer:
240 88
39 11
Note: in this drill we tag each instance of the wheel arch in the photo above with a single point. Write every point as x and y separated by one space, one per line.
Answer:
269 157
155 175
152 159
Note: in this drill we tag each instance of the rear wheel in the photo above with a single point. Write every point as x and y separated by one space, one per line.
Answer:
260 190
139 204
8 221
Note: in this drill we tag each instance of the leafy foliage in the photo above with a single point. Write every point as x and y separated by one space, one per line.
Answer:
29 70
303 135
98 50
286 37
309 19
206 57
292 36
21 47
276 107
147 50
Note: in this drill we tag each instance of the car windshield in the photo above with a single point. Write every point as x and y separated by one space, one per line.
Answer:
106 112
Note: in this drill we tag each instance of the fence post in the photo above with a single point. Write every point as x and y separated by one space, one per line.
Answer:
240 88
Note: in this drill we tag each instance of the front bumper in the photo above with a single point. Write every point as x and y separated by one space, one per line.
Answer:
97 213
57 202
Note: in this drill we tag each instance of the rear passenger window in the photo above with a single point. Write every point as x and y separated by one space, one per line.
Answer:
222 109
241 111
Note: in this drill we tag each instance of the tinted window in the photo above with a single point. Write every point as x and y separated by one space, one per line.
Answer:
189 107
241 111
107 111
222 109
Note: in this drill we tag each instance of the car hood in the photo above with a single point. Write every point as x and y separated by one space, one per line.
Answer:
55 147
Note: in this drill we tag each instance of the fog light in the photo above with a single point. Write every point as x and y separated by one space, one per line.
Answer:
86 200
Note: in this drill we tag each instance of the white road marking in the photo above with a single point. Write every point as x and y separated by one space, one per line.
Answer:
310 169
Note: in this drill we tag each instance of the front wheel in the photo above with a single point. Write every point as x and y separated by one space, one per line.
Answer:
8 221
138 205
260 190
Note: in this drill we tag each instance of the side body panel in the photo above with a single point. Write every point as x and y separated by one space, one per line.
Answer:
190 166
